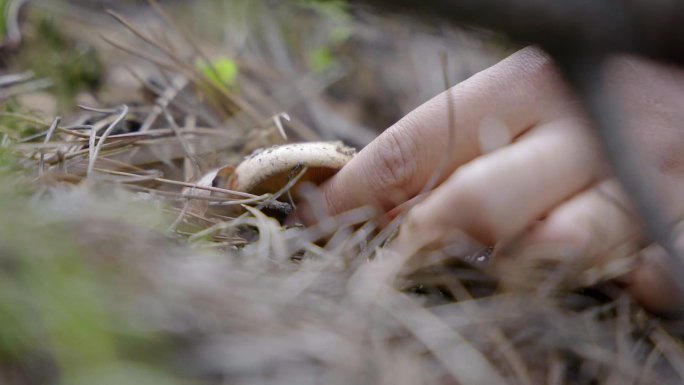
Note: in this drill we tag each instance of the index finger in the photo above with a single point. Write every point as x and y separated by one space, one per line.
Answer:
522 91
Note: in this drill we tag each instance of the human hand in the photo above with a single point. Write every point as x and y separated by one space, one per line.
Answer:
520 166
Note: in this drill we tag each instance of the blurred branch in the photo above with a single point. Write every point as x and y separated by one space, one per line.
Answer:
650 28
584 73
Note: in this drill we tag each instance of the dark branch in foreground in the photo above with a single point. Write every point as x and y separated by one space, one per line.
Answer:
650 28
585 74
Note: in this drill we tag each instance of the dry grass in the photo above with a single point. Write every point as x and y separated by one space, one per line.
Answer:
110 275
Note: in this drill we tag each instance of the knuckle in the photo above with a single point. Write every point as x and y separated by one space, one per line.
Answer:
477 205
395 163
671 163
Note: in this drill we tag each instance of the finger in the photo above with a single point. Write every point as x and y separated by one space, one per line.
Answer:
521 92
598 229
500 194
591 237
590 224
656 280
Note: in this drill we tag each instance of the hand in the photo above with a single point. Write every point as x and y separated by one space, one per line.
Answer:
539 179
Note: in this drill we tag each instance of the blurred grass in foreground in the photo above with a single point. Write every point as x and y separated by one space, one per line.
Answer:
56 321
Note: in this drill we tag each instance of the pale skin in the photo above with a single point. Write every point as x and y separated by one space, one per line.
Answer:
549 185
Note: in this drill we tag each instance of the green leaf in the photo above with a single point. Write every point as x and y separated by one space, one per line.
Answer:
320 59
3 20
222 71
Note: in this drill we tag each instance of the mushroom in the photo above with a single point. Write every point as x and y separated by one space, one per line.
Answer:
269 170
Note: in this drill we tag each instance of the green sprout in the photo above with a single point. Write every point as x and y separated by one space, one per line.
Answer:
3 20
320 59
337 15
222 71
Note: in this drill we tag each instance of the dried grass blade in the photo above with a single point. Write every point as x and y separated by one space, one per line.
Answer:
48 136
96 150
466 364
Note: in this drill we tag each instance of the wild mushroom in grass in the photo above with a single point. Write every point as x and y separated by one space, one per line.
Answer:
269 170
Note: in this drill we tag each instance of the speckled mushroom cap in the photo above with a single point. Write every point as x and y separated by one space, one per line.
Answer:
268 170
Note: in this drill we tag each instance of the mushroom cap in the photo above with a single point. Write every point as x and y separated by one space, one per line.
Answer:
269 170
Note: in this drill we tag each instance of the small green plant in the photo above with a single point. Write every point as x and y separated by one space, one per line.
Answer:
338 18
72 67
16 122
320 59
222 71
337 12
3 20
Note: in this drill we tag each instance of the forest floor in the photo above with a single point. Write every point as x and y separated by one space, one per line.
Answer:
124 259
